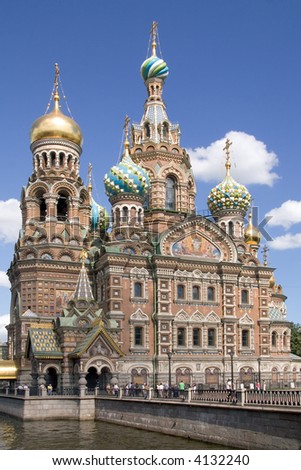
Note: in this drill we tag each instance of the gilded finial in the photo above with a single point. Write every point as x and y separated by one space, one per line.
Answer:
83 257
126 132
265 250
90 180
227 150
56 96
154 37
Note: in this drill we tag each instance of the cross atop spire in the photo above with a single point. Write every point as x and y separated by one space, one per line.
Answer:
56 78
154 31
227 150
126 132
265 250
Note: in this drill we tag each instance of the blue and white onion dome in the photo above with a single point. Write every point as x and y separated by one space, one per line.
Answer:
154 67
99 216
227 196
126 178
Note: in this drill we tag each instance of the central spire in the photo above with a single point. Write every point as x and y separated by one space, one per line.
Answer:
227 150
154 36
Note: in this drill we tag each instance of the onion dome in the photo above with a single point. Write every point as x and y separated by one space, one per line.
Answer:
153 67
126 177
55 125
252 234
228 195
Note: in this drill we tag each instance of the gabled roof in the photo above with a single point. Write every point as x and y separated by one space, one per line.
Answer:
97 330
43 343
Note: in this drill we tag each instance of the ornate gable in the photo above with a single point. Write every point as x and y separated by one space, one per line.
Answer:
198 238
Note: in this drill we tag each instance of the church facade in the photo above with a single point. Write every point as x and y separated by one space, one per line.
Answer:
151 292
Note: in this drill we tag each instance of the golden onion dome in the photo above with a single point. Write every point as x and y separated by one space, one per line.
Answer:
55 125
252 234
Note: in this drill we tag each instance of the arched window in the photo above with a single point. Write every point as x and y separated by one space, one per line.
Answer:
244 296
125 214
170 193
231 229
138 334
137 289
274 338
181 336
245 338
195 292
211 294
62 206
196 337
180 291
165 130
147 130
211 337
285 339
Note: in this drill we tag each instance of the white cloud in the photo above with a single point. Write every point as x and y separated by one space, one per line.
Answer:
10 220
4 320
286 242
4 281
250 159
288 214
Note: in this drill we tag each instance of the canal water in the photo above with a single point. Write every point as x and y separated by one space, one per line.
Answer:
86 435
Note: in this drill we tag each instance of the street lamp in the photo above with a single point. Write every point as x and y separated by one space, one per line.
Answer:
259 371
231 354
169 355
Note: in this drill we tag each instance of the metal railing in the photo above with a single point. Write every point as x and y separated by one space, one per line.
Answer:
266 398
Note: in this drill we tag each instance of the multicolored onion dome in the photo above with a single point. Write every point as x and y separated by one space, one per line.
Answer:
154 67
126 178
229 195
99 217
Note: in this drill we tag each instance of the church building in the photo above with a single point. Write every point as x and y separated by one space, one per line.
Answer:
146 291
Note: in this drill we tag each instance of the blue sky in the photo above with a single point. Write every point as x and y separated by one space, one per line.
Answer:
235 71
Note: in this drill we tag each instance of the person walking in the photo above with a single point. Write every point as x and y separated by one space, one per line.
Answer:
182 390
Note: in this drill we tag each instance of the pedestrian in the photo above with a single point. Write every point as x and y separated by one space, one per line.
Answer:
49 389
229 389
182 390
145 391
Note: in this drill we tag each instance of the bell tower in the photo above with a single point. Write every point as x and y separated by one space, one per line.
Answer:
156 147
56 221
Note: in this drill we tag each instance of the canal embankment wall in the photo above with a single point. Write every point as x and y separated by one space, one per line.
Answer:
239 427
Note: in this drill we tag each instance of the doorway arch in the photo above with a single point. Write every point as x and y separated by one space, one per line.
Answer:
104 378
51 377
92 378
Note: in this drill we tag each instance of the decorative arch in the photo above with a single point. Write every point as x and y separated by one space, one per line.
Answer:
68 188
35 187
212 317
182 316
213 377
197 317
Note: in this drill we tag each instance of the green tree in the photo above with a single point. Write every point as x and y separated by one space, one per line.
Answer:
296 338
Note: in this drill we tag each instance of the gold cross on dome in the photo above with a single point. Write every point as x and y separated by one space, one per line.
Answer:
126 125
56 77
265 250
227 150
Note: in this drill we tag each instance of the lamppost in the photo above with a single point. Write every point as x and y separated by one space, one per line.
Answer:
169 355
259 371
231 354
